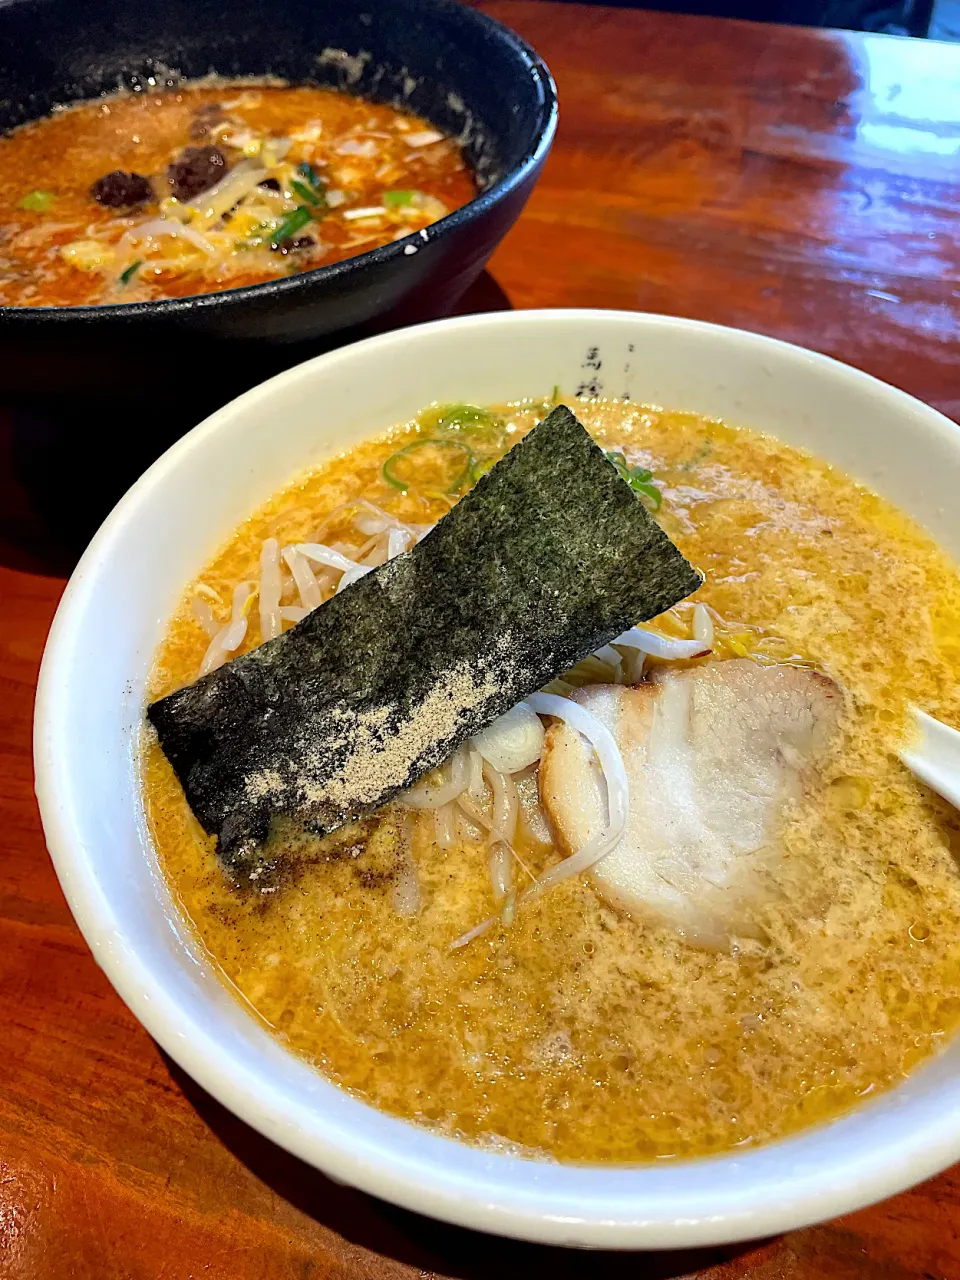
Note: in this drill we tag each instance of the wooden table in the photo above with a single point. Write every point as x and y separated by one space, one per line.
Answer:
803 184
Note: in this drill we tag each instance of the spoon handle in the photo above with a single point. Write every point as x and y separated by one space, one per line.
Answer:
935 757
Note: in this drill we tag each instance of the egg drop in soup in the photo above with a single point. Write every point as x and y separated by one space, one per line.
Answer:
682 897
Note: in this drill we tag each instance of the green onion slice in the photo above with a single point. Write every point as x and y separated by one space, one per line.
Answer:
465 417
307 171
627 472
397 199
649 491
127 275
548 402
640 479
441 465
306 193
483 430
291 224
38 201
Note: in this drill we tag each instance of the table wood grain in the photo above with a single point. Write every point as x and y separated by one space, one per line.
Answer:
803 184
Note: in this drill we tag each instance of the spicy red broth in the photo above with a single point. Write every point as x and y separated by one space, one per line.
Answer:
158 195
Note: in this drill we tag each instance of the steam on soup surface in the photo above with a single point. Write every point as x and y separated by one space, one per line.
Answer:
606 1020
211 186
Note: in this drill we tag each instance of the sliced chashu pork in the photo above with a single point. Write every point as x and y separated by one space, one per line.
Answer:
711 753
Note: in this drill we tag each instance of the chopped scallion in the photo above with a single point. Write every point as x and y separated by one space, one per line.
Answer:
429 465
482 432
38 201
485 431
465 416
649 491
397 199
291 224
307 171
640 479
306 193
127 275
551 400
626 471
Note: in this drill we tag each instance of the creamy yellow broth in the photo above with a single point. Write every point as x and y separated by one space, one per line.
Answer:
581 1033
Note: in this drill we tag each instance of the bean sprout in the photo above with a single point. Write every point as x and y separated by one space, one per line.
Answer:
230 637
310 594
271 587
428 795
703 628
618 801
658 646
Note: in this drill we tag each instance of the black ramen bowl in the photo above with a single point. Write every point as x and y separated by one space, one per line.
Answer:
132 376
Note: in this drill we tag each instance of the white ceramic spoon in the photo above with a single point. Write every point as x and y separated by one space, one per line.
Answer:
935 756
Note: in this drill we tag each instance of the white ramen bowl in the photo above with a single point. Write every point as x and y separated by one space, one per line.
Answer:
90 707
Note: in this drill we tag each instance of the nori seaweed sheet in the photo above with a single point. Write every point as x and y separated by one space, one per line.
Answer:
547 558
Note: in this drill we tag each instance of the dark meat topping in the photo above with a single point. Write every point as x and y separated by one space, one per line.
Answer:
197 169
204 118
270 183
290 245
120 190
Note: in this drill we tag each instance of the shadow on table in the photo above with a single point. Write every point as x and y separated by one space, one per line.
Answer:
420 1242
61 475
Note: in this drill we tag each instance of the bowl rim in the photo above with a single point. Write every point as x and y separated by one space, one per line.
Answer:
537 150
413 1172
